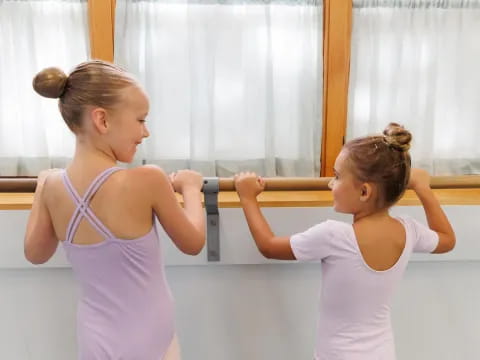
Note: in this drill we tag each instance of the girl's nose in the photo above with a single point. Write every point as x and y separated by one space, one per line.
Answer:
146 133
330 183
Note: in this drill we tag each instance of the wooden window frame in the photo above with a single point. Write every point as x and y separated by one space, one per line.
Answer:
337 29
101 21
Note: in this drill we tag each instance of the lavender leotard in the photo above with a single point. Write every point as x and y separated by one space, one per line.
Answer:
126 309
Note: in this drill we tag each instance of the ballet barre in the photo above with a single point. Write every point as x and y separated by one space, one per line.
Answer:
28 184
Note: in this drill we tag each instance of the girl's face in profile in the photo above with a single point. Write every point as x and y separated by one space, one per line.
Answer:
128 124
346 189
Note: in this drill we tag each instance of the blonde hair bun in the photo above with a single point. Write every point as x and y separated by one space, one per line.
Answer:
50 82
397 137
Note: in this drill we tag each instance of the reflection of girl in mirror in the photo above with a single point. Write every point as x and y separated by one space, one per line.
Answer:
105 216
362 263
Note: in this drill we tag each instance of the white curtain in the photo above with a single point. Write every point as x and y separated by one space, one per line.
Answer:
418 63
35 34
233 85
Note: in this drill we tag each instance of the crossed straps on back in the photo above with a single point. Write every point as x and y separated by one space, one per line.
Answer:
83 209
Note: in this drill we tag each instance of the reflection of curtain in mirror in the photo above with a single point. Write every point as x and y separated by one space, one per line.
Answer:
233 85
418 63
34 35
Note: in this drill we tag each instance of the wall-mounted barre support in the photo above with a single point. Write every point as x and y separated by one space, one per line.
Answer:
210 193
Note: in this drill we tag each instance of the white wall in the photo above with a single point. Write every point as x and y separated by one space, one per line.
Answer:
247 307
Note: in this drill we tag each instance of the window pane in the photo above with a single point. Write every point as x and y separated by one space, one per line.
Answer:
35 34
232 86
416 63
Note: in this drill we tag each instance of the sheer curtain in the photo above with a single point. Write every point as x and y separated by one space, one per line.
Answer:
35 34
233 85
416 62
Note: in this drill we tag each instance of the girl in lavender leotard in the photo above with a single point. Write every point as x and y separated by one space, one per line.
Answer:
105 216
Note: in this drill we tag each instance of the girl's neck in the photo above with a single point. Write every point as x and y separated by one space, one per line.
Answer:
374 215
88 156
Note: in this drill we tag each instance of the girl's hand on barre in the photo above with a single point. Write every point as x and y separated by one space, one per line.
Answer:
248 184
419 179
185 180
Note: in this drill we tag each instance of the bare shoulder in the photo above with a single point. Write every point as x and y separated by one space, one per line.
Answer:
148 178
147 174
53 184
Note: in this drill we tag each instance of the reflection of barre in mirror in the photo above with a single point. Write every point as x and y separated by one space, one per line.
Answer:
27 185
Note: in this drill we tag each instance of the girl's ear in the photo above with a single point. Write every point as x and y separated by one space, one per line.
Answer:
366 192
99 119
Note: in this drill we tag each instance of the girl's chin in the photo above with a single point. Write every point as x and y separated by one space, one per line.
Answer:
127 158
338 209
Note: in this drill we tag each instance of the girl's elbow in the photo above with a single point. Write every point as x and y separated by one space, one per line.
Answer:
266 251
38 252
453 242
446 245
34 258
196 246
28 252
195 250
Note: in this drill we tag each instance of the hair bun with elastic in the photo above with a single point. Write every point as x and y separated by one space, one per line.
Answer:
50 82
397 137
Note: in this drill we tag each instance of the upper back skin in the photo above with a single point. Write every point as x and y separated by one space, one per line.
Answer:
122 203
381 243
